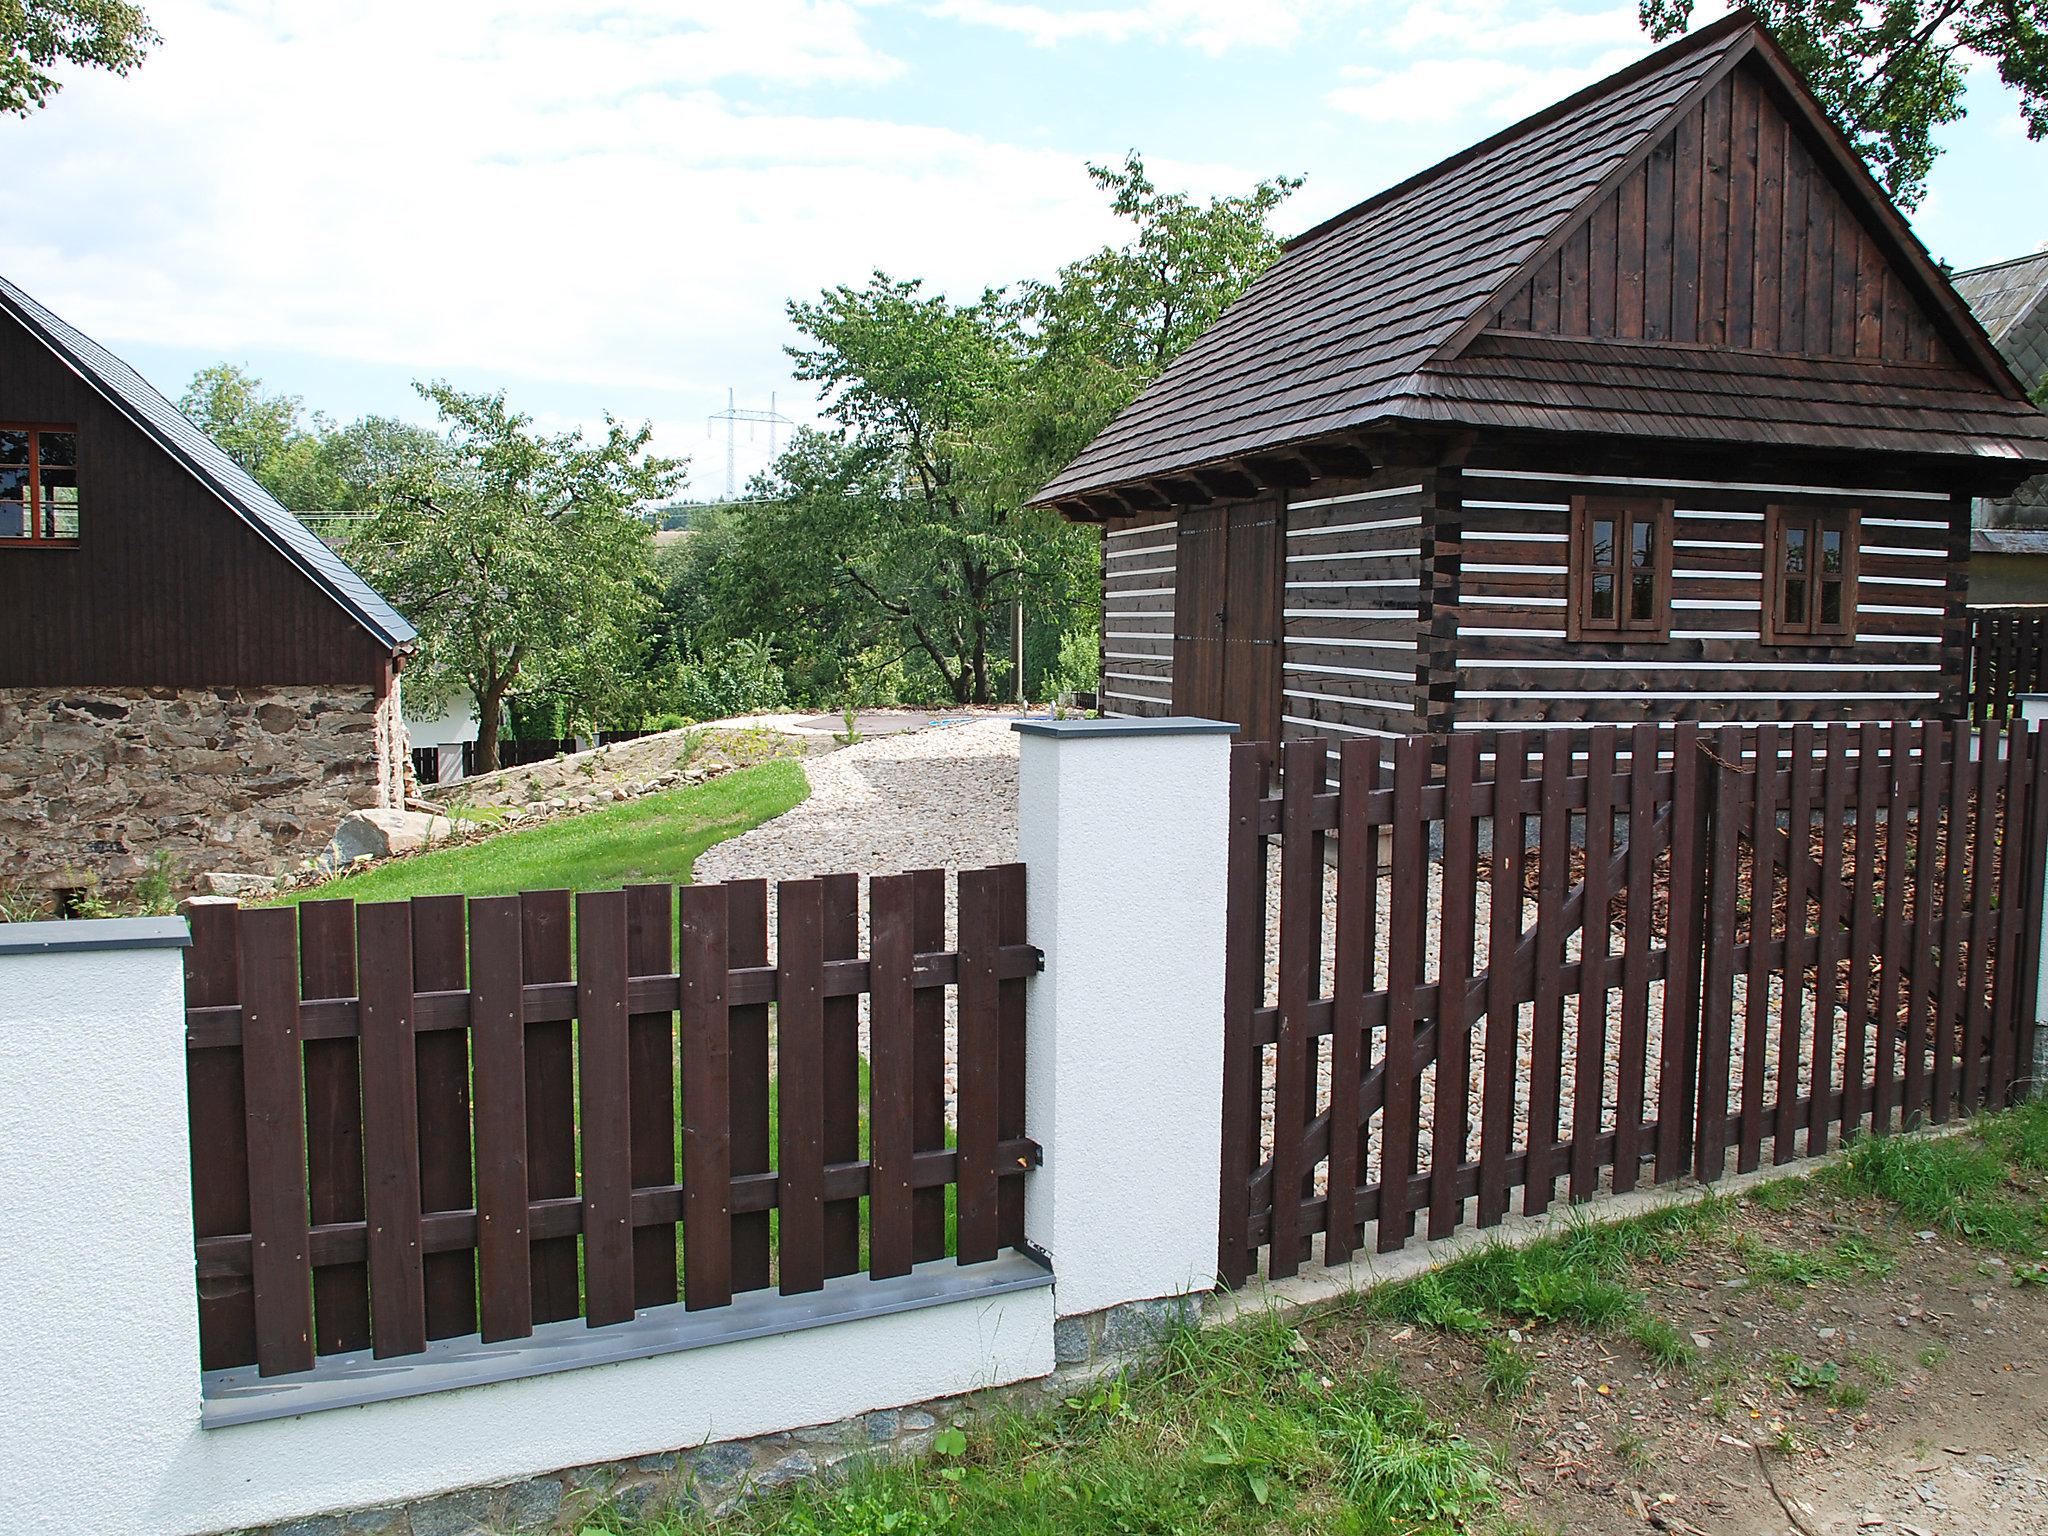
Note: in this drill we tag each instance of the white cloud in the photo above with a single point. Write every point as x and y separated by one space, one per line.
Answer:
1455 89
495 193
1213 26
1496 27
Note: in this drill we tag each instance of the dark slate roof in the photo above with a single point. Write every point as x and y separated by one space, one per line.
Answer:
135 398
1359 322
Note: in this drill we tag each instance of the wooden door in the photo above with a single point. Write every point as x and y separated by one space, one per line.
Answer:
1226 619
1251 629
1200 561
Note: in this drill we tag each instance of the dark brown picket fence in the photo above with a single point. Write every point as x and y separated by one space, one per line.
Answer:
425 1119
2008 657
1452 1020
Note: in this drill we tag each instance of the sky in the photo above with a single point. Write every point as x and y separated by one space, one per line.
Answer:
605 207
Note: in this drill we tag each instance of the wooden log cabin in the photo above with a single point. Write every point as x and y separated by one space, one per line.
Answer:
1648 408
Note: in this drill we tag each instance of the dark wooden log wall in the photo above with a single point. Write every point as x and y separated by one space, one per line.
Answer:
1137 617
1512 663
1359 578
166 585
1731 234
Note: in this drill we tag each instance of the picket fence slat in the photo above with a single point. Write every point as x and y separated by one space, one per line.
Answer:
391 1137
800 1079
892 1069
498 1038
603 1081
544 941
651 1088
440 964
273 1086
748 1077
334 1124
220 1139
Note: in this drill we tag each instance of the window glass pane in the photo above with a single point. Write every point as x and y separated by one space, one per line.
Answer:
1831 551
1603 541
1831 602
1795 551
1795 602
1603 597
1639 540
1643 596
57 448
13 520
60 504
13 447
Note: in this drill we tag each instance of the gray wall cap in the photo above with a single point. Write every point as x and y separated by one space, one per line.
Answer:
242 1396
1165 725
80 934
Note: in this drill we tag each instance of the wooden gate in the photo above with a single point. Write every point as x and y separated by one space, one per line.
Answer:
1226 620
1449 1017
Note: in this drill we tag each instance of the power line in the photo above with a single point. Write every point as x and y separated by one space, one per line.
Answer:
732 416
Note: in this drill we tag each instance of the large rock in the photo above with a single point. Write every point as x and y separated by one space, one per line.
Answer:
379 834
221 882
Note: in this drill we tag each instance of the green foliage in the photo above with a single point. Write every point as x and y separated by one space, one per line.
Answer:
1507 1371
738 678
1891 74
518 558
1659 1341
893 550
1962 1184
307 462
36 35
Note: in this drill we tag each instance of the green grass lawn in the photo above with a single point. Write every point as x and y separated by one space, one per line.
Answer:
657 838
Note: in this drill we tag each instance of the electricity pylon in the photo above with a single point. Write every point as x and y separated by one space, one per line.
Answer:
732 416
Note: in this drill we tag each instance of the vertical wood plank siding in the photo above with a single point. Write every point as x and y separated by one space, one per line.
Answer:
413 989
1137 618
166 586
1514 665
1769 254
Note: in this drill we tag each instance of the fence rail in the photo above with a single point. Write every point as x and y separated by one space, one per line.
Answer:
1451 1019
2008 657
426 1119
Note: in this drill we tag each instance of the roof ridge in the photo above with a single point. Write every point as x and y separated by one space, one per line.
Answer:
1993 266
1713 33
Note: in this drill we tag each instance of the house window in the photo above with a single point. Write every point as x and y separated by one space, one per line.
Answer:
1620 582
38 485
1810 568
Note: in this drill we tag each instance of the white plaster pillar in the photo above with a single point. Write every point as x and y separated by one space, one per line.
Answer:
98 1327
1124 825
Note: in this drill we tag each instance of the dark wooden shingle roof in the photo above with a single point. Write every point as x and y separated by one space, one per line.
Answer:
1393 312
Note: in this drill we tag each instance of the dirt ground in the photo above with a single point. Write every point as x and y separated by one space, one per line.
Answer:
1906 1398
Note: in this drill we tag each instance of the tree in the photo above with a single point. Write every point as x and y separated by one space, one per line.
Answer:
307 462
1109 323
1890 72
94 34
517 556
911 520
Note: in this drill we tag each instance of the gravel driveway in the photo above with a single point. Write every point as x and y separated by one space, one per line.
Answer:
944 796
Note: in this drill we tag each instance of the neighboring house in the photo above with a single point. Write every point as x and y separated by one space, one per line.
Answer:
1648 408
441 743
2009 548
184 668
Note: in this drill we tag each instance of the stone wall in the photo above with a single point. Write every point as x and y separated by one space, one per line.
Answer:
96 781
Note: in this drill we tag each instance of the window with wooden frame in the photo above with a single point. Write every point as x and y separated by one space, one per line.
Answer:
1809 575
1620 573
38 485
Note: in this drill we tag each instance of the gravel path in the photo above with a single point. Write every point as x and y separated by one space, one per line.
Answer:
942 797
